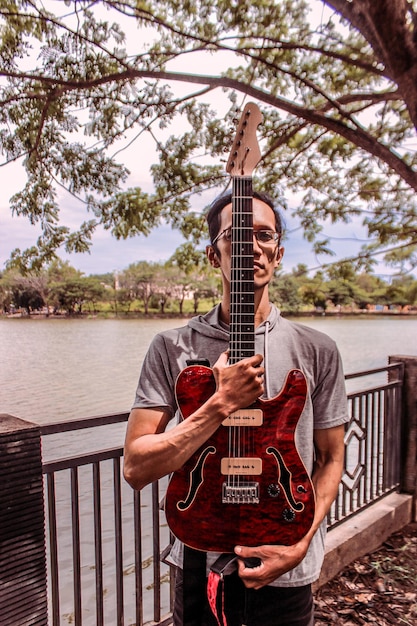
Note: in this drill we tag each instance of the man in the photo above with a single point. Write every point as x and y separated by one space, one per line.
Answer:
277 591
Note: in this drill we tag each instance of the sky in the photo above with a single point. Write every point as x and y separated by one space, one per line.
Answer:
109 255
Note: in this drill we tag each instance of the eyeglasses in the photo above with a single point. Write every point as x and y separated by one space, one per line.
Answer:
264 237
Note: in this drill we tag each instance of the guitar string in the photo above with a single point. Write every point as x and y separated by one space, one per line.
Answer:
242 308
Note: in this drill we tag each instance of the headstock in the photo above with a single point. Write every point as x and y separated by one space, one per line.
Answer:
245 153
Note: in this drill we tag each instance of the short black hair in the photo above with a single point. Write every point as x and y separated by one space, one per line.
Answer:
217 206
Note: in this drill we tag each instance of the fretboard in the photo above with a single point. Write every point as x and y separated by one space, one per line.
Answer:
242 302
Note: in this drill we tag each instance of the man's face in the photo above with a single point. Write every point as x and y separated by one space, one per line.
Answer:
267 256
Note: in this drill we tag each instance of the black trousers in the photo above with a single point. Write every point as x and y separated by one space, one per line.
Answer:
269 606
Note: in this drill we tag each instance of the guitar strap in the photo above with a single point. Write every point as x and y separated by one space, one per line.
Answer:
195 587
215 586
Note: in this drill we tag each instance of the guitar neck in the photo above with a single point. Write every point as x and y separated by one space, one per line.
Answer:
242 300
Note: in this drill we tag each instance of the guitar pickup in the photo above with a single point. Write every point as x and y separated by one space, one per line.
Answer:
245 417
241 466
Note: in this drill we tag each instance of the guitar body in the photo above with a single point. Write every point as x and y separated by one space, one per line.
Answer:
214 502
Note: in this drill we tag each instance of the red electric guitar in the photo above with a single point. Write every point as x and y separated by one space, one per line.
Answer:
247 485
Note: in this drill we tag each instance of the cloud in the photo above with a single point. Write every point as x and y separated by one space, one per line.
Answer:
107 253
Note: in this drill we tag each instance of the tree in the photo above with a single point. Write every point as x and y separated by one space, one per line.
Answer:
188 259
24 292
94 291
191 264
340 293
284 291
341 288
395 295
370 290
315 291
121 300
139 280
70 294
401 292
199 292
6 298
336 81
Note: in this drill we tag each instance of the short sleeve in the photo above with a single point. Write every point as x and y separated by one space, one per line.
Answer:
329 398
156 382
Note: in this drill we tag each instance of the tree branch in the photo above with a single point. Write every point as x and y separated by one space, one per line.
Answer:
386 27
357 135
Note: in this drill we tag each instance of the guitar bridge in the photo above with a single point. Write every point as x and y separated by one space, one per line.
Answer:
242 494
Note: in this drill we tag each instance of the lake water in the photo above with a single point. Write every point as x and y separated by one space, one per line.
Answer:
61 369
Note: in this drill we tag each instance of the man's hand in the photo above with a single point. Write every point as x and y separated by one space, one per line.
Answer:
327 472
239 384
275 561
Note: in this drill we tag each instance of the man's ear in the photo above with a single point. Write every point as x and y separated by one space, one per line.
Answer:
212 256
280 254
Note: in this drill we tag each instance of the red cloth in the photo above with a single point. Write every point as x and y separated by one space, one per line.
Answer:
215 581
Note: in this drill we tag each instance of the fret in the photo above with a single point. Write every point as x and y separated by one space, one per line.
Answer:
245 255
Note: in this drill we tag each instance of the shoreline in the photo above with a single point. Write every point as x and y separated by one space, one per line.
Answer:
155 315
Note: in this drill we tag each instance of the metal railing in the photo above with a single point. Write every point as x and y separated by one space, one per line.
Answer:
373 443
104 540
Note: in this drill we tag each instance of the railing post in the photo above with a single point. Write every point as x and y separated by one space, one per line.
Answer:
23 580
409 435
